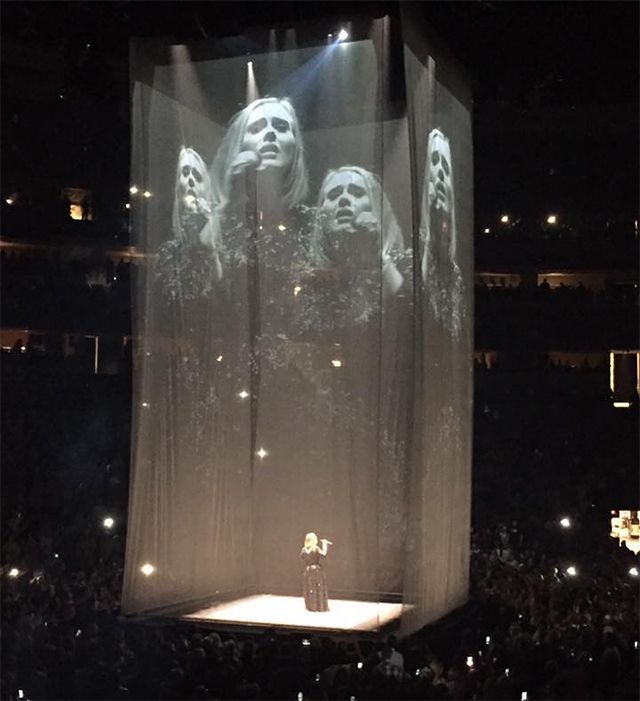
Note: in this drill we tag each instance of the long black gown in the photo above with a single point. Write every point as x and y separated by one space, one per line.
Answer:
314 581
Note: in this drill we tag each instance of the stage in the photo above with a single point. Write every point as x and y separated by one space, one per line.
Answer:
289 611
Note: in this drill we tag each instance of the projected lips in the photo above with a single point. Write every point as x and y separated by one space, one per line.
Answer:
344 215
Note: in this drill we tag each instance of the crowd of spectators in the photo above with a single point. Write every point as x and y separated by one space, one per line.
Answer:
528 627
94 295
567 317
70 294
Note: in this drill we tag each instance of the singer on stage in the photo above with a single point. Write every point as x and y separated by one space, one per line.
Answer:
314 582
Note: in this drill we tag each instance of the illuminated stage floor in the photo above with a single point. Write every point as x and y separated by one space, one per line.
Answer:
271 610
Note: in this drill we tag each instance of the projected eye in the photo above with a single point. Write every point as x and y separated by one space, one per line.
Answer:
185 171
280 125
334 193
356 190
445 165
257 126
435 158
196 175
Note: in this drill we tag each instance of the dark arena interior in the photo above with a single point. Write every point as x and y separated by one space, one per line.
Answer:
320 352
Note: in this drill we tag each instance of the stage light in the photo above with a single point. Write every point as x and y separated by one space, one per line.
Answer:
565 522
571 571
108 522
504 219
552 219
487 230
243 394
282 227
14 572
469 661
219 359
134 190
262 453
343 35
296 290
147 569
622 405
336 363
9 200
633 571
146 194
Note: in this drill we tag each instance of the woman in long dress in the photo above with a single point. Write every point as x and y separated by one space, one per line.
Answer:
314 581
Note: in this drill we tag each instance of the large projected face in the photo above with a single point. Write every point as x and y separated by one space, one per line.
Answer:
440 183
264 137
269 134
355 224
345 200
192 184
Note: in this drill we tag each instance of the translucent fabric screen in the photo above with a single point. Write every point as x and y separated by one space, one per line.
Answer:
280 323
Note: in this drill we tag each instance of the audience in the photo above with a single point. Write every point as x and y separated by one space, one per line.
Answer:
529 626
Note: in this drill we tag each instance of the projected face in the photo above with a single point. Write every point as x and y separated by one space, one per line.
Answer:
440 185
269 135
346 199
192 181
